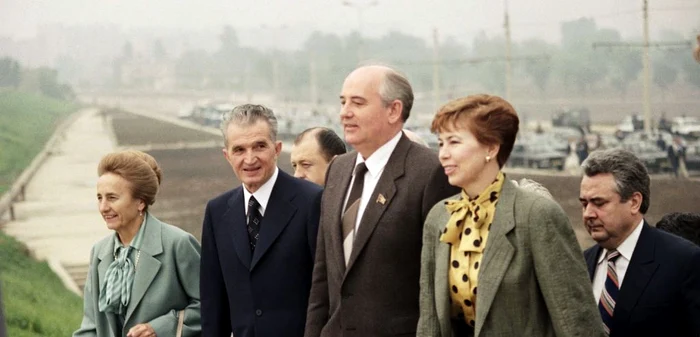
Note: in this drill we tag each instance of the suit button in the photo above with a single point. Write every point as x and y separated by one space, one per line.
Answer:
258 312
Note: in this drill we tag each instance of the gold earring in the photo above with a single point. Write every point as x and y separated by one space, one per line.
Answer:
488 159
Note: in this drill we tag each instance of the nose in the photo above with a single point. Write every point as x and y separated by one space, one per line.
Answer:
443 153
299 173
588 212
249 157
344 111
102 206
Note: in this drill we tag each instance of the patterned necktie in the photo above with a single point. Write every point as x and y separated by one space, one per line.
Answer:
606 306
254 220
351 209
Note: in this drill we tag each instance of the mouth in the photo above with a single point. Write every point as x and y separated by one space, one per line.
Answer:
251 170
449 169
349 127
108 217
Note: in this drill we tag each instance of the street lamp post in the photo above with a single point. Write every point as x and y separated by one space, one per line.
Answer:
360 8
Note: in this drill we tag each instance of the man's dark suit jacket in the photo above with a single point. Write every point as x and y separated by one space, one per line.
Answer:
263 293
660 294
377 294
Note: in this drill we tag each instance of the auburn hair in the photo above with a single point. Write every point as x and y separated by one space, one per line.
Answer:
491 119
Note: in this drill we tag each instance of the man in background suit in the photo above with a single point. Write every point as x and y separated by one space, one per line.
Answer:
312 151
259 239
376 199
647 281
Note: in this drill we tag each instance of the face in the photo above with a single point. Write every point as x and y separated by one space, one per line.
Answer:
308 162
462 156
607 219
252 153
116 204
367 122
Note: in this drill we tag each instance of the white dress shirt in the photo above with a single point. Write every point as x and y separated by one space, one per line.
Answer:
375 166
262 195
626 249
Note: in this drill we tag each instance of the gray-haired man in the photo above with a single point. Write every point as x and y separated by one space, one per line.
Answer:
258 239
647 282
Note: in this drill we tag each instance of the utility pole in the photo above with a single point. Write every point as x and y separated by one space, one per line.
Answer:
646 103
359 7
313 82
647 68
436 70
509 74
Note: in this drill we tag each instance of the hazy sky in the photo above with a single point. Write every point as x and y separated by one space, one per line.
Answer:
460 18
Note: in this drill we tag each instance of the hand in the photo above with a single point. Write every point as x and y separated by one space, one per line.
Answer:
141 330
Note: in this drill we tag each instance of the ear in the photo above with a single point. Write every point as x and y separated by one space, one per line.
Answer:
493 150
395 109
635 202
142 205
278 148
225 153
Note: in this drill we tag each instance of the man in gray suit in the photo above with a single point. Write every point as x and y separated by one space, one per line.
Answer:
365 279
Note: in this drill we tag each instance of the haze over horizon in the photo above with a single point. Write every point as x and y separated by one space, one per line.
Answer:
462 20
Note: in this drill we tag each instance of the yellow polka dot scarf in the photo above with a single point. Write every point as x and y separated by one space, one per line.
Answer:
466 232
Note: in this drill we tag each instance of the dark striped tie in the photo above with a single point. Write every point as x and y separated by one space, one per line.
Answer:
254 220
351 209
606 306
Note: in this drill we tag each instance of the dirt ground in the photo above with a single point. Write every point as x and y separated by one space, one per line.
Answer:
193 176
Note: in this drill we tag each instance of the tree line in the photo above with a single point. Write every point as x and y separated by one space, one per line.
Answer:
41 80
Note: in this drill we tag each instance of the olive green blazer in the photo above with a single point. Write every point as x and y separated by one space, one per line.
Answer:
166 281
533 279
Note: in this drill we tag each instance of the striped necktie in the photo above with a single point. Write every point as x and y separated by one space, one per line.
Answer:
606 306
351 209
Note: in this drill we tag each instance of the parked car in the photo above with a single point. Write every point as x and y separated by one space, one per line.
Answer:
654 158
629 124
692 156
686 127
574 118
536 152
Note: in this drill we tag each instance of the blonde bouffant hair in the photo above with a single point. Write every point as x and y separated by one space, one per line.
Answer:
140 169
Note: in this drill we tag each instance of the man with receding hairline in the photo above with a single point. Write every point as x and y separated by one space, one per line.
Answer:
313 149
365 279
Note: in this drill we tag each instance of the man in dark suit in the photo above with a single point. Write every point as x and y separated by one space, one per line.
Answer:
365 280
312 151
259 239
647 281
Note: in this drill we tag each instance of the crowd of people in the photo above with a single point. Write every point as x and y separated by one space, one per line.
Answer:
390 239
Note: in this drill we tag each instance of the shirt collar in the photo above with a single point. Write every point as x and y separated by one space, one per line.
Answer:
262 195
626 248
376 162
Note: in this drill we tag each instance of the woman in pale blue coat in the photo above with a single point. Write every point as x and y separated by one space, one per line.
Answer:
143 280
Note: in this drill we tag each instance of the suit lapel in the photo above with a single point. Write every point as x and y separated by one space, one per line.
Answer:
639 272
148 266
334 209
234 222
441 278
277 215
497 255
592 260
386 186
106 256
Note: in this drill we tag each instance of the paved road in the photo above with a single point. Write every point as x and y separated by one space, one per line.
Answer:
58 221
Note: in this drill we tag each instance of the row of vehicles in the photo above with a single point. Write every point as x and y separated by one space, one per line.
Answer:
550 150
